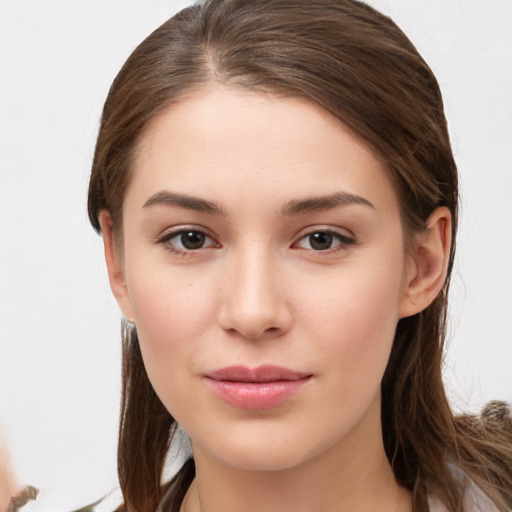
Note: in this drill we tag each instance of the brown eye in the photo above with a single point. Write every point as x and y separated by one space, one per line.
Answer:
192 239
187 240
324 240
320 241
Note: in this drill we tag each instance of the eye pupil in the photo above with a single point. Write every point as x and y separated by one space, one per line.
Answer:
320 241
192 239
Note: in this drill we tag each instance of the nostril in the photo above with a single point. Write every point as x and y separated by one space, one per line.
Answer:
254 334
254 317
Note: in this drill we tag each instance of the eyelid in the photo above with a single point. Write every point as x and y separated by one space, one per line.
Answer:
345 239
165 238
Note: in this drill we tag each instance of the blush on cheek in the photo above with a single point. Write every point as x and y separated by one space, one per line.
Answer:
170 320
168 305
366 323
161 350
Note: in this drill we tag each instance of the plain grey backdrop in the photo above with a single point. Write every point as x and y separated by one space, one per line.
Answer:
59 326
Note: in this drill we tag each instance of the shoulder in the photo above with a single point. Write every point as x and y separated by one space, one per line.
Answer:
473 500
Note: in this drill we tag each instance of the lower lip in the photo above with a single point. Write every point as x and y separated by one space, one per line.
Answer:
256 395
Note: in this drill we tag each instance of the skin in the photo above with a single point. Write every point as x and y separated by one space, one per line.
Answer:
259 291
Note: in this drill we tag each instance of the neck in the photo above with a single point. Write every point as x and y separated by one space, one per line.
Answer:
352 475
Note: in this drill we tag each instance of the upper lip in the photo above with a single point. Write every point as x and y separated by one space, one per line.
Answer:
263 373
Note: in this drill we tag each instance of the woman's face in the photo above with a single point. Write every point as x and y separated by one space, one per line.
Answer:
264 268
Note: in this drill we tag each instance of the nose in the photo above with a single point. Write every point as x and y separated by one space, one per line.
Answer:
253 297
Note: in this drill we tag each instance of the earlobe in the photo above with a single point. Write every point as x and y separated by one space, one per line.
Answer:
115 266
427 269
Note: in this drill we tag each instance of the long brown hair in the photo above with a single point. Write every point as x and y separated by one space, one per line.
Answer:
359 66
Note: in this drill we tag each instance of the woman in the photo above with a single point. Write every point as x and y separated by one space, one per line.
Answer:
278 199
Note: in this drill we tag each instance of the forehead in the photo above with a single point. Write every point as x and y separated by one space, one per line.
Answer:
228 144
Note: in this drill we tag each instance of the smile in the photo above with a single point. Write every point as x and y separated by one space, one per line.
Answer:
263 387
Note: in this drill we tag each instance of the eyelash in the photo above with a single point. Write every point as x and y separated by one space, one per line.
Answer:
165 240
343 240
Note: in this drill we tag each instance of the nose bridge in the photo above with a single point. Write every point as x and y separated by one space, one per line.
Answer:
253 302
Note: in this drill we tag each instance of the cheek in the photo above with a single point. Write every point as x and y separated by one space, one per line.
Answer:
354 318
356 299
172 314
171 302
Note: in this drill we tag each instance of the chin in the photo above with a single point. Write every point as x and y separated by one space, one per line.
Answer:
263 460
265 453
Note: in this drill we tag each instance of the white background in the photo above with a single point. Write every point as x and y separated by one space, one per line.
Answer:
59 334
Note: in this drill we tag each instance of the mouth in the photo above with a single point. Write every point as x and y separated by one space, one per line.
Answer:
262 387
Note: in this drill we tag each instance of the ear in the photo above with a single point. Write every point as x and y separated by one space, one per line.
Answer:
115 266
428 263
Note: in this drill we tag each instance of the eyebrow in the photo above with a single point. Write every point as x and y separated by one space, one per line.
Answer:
293 207
184 201
313 204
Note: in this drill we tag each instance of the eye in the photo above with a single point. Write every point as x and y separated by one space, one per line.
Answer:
324 240
185 240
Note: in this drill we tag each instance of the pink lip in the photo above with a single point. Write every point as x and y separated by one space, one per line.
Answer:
262 387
